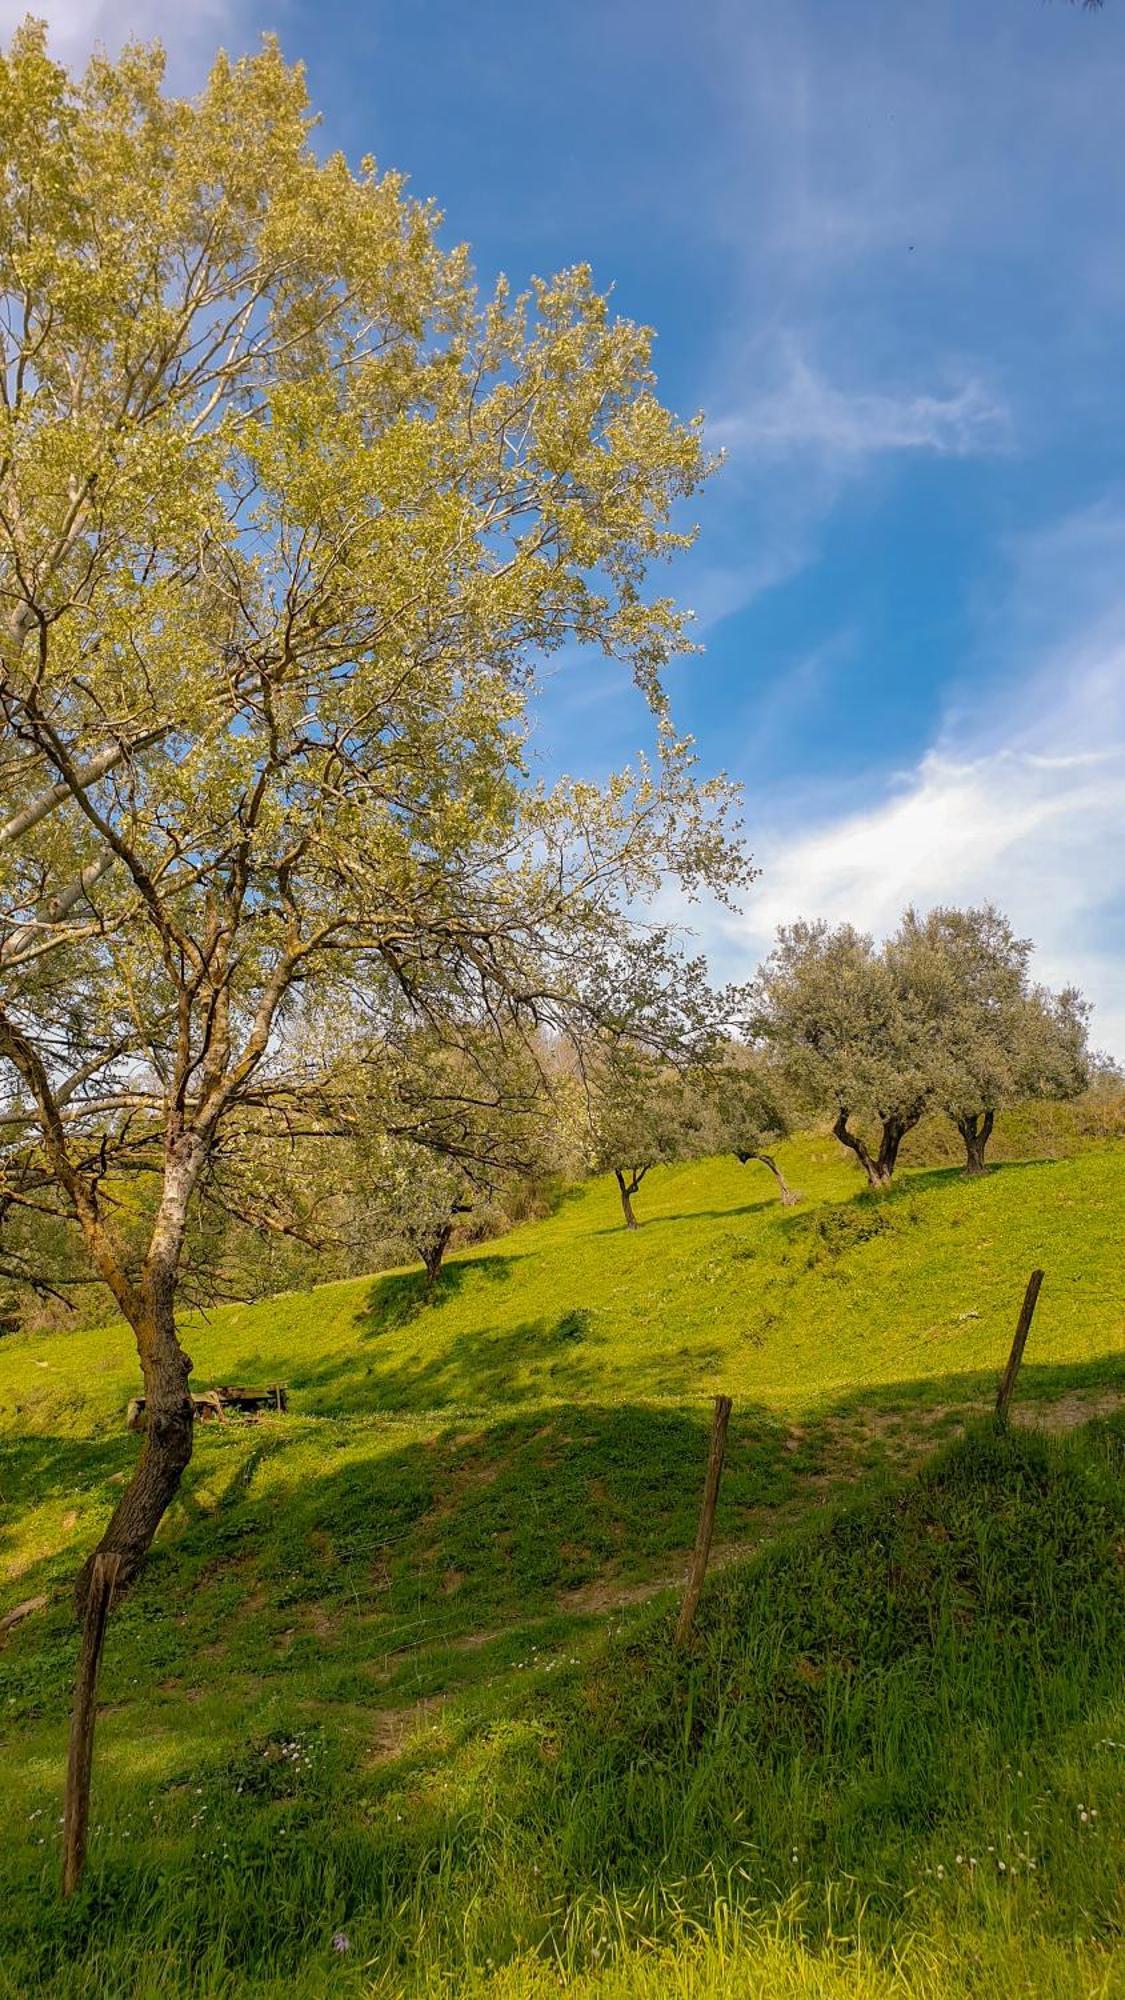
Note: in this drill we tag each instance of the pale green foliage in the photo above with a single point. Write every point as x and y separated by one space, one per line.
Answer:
644 1112
415 1197
439 1135
848 1033
944 1015
993 1038
288 515
744 1106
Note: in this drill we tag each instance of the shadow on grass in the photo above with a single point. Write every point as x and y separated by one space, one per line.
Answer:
481 1523
686 1215
856 1690
399 1297
515 1365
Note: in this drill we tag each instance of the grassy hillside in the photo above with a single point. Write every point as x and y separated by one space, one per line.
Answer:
399 1666
721 1288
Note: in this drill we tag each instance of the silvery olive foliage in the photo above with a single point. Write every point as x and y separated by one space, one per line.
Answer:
291 514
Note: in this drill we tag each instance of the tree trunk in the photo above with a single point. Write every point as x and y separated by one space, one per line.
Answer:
626 1205
876 1177
167 1443
788 1197
976 1132
894 1131
432 1255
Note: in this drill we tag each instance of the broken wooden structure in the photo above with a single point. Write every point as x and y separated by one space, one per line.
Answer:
219 1403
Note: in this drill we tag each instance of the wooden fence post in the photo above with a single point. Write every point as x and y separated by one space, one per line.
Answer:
702 1549
79 1763
1023 1328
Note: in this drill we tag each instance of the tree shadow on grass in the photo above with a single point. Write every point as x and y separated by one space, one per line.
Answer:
485 1521
772 1712
689 1215
519 1364
399 1296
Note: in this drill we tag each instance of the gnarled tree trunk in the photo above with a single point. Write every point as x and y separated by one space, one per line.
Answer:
432 1252
626 1189
788 1197
976 1131
880 1170
168 1436
893 1134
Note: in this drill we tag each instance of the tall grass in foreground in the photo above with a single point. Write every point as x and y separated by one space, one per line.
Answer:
892 1765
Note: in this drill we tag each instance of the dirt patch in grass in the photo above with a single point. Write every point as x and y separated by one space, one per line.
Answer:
1065 1413
392 1728
607 1593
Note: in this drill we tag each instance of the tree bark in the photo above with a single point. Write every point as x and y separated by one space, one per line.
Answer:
841 1130
894 1131
625 1190
976 1132
788 1197
880 1170
167 1447
432 1254
80 1758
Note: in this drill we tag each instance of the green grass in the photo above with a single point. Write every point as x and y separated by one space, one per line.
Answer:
440 1578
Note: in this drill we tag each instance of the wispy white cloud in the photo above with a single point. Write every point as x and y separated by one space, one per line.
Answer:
808 412
915 209
1020 799
191 32
1041 836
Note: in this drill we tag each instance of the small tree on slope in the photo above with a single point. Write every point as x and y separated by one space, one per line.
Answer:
746 1113
645 1114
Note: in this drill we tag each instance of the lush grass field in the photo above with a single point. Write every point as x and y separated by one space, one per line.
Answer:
400 1668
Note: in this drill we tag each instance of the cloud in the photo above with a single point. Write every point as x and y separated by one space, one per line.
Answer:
190 32
1039 835
807 412
1020 799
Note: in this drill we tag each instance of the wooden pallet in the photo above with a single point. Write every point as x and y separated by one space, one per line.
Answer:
218 1403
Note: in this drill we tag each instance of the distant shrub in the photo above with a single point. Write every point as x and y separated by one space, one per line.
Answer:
574 1325
842 1228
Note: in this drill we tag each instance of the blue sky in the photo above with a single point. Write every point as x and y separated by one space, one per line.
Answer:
883 249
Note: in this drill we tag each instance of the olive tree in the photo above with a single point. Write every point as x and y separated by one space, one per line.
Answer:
289 514
644 1114
746 1112
416 1198
993 1037
845 1024
440 1131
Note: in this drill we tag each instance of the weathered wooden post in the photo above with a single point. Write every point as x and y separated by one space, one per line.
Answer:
706 1528
103 1582
1023 1328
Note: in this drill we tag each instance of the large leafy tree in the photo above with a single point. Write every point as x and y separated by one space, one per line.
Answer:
846 1026
288 516
994 1038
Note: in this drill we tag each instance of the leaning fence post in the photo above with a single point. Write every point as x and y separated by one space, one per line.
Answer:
702 1549
103 1580
1023 1327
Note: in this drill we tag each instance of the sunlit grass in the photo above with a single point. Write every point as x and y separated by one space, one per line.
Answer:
392 1674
